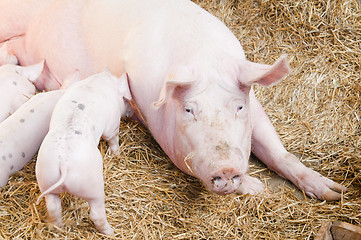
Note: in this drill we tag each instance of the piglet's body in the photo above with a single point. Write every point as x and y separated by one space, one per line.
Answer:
22 133
16 86
68 159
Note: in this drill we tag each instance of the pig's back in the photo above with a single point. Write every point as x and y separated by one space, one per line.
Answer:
150 38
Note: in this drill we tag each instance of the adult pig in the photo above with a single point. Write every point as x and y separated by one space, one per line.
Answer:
189 78
22 133
69 159
17 86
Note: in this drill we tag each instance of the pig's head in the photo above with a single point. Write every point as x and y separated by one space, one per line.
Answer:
6 58
208 122
124 93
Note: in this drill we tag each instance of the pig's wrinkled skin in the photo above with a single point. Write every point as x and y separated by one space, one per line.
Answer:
69 159
22 133
16 86
189 78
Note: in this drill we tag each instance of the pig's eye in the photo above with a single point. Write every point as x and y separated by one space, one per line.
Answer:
239 108
189 110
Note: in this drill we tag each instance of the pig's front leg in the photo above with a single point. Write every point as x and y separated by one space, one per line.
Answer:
267 146
113 140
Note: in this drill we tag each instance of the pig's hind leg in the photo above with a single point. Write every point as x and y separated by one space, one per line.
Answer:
53 205
92 188
267 146
98 216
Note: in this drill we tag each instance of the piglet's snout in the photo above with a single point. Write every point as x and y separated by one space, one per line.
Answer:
225 180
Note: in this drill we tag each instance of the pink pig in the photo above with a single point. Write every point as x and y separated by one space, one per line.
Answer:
189 78
17 86
68 159
22 133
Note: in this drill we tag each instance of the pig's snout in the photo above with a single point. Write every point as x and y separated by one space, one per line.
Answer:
225 180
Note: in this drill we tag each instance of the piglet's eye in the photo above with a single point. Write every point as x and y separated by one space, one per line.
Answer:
239 108
189 110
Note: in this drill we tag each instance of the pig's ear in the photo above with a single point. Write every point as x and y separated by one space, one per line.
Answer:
6 58
251 72
124 87
31 72
171 89
70 79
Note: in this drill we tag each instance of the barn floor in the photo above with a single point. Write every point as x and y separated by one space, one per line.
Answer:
316 111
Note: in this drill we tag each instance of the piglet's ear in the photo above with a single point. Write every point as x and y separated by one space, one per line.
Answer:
124 87
251 72
31 72
170 89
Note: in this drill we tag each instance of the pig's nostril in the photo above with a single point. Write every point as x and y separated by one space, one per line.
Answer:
236 177
215 179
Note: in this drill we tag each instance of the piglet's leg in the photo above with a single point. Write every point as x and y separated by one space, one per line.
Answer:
114 143
53 205
113 140
267 146
98 216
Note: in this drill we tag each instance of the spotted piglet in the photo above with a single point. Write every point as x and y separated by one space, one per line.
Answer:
16 86
22 133
69 159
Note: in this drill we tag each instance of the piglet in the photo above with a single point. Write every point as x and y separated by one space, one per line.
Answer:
22 133
69 159
17 86
6 58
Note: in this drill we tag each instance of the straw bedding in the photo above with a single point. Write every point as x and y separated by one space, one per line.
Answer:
316 110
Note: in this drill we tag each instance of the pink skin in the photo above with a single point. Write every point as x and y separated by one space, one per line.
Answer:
16 86
29 122
184 64
6 58
22 133
68 159
17 14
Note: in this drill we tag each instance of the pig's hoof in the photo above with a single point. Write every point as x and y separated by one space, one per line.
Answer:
109 232
3 181
56 222
317 186
250 185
